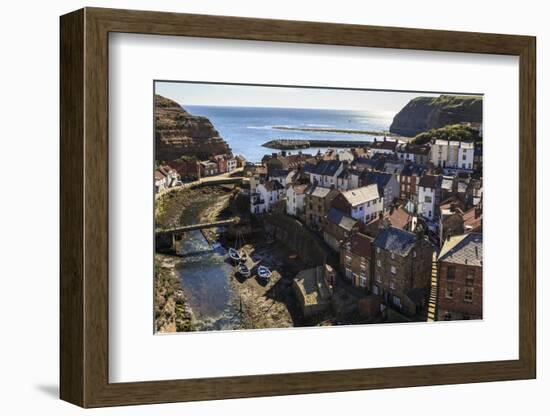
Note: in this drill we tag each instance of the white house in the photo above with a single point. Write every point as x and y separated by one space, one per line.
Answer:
363 204
429 194
439 152
295 196
452 154
172 175
283 176
267 194
345 155
231 164
325 173
466 156
160 181
346 180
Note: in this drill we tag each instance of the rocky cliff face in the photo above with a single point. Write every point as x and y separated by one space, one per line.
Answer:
178 133
424 113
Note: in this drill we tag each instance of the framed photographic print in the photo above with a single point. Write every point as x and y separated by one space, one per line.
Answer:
260 207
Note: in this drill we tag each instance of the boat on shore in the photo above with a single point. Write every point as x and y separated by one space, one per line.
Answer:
243 270
234 255
264 273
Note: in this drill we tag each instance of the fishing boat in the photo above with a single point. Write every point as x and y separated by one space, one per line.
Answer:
264 273
234 255
243 270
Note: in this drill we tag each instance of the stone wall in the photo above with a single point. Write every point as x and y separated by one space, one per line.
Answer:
297 237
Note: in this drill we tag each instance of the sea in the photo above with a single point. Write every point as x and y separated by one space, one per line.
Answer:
245 129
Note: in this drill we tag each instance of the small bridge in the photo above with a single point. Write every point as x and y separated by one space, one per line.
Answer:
184 228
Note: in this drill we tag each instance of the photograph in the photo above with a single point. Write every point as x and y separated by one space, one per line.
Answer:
289 206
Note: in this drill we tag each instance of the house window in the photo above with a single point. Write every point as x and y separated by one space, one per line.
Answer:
378 263
451 272
469 279
378 249
392 256
379 278
468 294
375 290
392 284
428 199
392 269
348 273
363 281
397 301
464 156
414 253
348 260
449 291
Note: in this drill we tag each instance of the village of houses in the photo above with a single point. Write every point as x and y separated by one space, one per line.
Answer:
402 220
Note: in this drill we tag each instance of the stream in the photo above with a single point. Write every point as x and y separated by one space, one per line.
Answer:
205 276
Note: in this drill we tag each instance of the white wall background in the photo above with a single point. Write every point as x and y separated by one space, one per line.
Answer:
29 178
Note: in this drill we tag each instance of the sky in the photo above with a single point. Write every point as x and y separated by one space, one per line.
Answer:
290 97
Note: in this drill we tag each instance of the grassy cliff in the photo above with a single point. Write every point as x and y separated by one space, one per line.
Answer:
425 113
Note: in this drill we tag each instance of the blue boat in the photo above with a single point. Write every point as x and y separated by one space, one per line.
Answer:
264 273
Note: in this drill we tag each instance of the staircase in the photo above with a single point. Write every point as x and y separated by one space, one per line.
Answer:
432 303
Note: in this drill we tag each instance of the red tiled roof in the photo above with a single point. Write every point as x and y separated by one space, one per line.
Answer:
471 223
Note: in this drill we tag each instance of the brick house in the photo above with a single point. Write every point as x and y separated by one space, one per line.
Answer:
208 168
402 269
316 204
338 228
460 263
284 161
241 161
396 217
188 169
221 161
356 261
408 181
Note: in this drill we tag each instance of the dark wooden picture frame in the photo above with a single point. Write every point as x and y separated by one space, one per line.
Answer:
84 207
